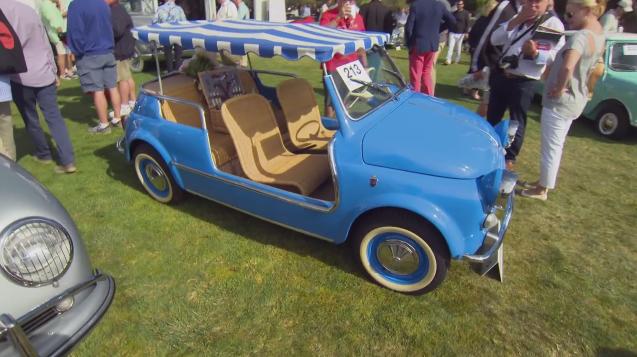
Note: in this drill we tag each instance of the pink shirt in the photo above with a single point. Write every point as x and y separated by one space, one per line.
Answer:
41 68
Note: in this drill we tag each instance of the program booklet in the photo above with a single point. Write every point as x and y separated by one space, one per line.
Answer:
547 34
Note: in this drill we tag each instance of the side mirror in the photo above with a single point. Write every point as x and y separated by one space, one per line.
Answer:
329 123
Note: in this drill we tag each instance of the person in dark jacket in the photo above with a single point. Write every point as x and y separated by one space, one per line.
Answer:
455 37
422 34
124 50
377 17
90 37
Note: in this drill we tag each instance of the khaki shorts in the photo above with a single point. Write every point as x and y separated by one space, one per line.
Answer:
123 70
60 48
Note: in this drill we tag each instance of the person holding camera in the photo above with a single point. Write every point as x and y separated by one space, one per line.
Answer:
523 60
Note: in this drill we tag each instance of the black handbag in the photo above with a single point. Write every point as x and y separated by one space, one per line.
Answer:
11 55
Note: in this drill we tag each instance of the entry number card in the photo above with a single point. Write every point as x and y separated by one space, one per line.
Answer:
351 72
630 50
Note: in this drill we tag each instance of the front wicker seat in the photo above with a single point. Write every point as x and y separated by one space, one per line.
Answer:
263 158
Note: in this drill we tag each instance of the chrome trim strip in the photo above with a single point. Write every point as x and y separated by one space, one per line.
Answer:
499 238
72 291
13 328
263 218
256 189
334 174
199 107
16 336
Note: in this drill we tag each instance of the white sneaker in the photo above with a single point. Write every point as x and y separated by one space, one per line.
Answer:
124 110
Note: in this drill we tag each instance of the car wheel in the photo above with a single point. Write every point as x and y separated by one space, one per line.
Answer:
154 175
401 253
612 121
137 62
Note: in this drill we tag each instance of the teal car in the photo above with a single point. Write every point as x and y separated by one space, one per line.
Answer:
613 105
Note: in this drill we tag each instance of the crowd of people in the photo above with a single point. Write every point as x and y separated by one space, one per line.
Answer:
64 40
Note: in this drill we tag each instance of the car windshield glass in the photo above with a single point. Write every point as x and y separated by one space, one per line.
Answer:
367 80
624 57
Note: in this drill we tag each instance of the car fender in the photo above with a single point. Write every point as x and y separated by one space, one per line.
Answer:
592 114
423 208
141 136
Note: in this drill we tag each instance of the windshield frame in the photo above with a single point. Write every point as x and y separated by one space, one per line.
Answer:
404 85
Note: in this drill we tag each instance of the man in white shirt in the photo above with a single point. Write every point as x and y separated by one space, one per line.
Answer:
524 59
227 10
610 20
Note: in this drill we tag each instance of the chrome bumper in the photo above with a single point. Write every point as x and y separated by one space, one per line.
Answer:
493 240
89 311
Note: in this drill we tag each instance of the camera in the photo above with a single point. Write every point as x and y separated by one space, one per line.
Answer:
511 62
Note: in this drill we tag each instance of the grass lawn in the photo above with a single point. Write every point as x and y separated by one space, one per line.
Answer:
202 279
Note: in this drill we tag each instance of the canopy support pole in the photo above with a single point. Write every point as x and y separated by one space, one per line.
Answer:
161 87
249 61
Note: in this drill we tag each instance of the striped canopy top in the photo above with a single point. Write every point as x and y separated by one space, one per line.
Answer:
266 39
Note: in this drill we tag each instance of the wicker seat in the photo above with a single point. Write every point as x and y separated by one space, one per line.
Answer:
302 115
262 156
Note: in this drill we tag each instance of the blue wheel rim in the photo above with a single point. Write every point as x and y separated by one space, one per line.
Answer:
405 279
144 166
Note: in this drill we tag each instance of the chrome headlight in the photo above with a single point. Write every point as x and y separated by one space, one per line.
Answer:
35 251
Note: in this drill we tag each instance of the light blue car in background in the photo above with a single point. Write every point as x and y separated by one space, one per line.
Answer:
411 181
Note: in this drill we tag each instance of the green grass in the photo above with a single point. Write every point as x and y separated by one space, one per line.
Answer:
202 279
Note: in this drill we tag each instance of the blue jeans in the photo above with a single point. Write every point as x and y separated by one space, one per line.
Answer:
26 99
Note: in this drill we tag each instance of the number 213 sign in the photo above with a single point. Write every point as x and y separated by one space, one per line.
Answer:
353 71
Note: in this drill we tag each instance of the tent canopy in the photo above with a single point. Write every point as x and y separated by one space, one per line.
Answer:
266 39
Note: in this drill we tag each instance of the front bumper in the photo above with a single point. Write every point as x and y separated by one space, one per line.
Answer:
45 331
486 255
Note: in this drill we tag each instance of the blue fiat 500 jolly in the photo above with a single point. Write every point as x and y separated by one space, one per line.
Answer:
410 180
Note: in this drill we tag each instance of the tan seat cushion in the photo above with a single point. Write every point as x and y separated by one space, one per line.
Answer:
222 148
259 145
302 115
184 87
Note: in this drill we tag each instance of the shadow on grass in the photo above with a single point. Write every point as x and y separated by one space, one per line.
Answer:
24 145
77 106
240 223
615 352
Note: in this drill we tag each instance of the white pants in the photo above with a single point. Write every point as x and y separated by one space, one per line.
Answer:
554 128
455 46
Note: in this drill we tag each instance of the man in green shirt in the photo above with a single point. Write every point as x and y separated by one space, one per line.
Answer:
53 24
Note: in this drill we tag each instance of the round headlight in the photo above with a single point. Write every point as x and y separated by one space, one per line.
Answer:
35 251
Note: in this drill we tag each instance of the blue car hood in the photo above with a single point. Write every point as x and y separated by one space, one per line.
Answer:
431 136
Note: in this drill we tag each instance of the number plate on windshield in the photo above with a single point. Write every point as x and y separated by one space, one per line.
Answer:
353 72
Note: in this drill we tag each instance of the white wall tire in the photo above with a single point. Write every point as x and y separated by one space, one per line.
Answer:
404 255
155 177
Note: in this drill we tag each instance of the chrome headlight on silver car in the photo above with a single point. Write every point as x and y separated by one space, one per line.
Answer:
35 251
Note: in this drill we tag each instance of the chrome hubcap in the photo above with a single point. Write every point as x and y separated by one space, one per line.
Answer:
156 177
608 123
397 256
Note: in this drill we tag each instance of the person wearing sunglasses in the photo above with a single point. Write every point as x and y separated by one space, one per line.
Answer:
566 90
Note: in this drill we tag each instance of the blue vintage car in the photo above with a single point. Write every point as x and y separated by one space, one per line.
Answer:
411 181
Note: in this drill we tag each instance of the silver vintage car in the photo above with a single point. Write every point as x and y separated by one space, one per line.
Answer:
50 297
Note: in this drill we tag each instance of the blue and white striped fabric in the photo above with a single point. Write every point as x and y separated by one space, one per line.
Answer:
265 39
